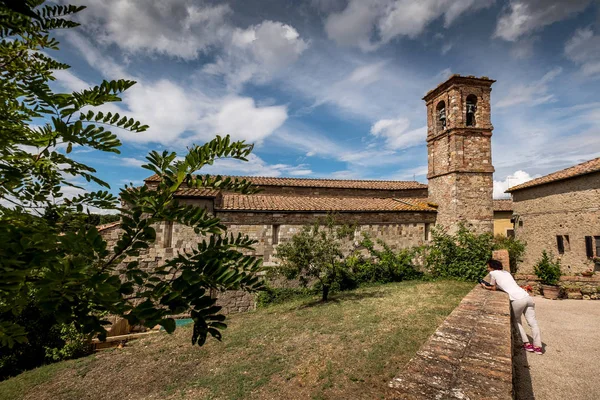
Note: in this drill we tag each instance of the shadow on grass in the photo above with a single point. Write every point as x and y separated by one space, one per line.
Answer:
343 297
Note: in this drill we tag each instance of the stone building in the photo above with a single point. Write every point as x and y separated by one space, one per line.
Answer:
401 213
560 213
503 210
459 134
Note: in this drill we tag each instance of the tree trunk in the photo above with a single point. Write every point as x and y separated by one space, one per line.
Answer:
325 293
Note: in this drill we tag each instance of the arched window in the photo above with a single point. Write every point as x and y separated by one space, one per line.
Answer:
471 109
440 116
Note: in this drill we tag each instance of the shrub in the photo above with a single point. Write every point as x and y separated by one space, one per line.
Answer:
461 256
386 265
316 253
515 247
548 269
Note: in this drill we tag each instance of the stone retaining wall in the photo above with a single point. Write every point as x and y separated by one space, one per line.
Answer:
468 357
572 287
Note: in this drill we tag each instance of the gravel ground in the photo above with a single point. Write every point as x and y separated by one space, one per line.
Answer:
570 365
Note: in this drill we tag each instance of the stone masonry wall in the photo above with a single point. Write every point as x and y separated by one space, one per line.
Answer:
468 357
398 230
269 229
464 198
568 208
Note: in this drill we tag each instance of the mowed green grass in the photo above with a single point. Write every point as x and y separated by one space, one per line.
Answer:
348 348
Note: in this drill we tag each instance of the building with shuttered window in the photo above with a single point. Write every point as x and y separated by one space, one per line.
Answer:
560 213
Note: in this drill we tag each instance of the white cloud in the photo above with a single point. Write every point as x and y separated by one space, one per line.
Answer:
514 179
367 74
167 108
522 17
447 47
531 94
584 49
255 166
130 161
418 173
258 52
68 81
396 135
188 29
240 117
369 23
523 48
179 28
179 115
354 25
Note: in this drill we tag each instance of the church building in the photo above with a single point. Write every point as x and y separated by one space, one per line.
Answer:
401 213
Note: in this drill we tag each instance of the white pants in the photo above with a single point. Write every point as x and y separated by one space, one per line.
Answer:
526 306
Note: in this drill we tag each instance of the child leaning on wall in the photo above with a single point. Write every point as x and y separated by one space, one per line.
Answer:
520 303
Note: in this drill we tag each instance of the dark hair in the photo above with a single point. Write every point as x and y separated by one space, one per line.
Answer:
495 264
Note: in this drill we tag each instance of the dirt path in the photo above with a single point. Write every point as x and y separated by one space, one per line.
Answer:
570 366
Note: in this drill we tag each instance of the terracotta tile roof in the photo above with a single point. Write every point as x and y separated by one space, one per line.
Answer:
503 205
325 183
308 203
187 192
580 169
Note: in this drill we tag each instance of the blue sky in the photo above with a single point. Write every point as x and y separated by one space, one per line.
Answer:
333 88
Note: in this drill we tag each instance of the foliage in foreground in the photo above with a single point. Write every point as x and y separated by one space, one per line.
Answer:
548 269
515 248
461 256
51 260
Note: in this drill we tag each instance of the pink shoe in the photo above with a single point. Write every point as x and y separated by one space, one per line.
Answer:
528 347
538 350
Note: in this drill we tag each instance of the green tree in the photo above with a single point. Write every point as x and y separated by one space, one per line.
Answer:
315 253
462 256
71 275
386 265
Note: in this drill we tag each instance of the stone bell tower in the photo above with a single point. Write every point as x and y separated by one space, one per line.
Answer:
459 152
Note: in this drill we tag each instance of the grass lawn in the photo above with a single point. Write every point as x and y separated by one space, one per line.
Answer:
348 348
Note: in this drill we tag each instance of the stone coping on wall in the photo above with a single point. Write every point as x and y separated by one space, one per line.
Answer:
565 278
468 357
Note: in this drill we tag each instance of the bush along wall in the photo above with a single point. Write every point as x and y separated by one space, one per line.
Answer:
461 256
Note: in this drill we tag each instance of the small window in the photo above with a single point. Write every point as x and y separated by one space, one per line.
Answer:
275 239
471 107
560 244
589 247
520 223
510 233
597 242
427 229
168 238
